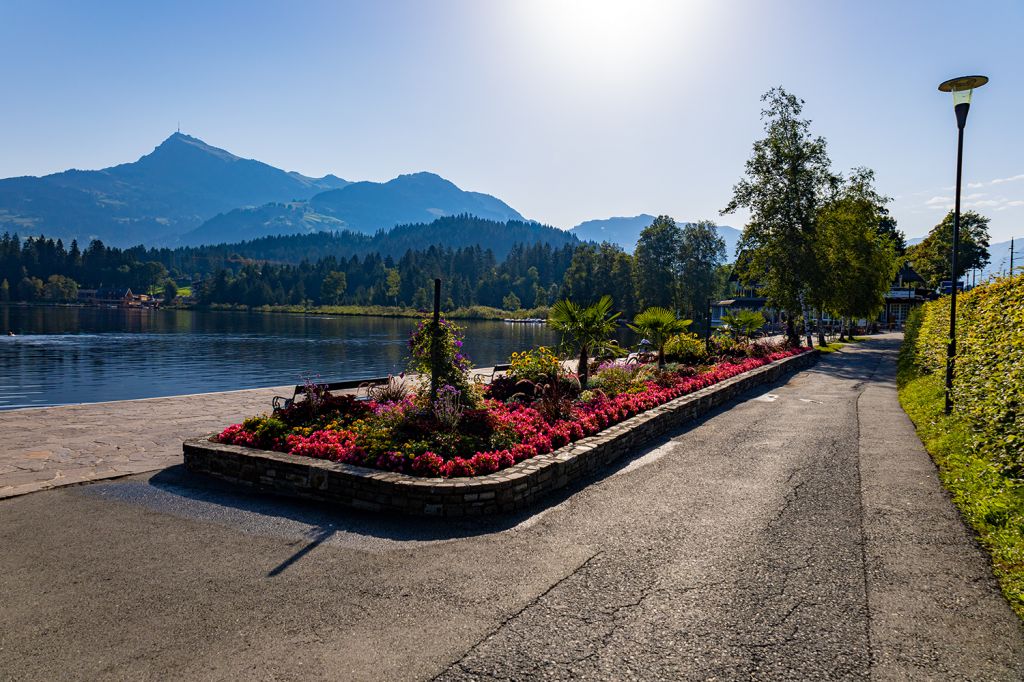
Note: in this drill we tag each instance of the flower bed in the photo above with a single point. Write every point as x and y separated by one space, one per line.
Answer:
470 431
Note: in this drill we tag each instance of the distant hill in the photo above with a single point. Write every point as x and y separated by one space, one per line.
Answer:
999 254
625 231
164 194
451 231
357 207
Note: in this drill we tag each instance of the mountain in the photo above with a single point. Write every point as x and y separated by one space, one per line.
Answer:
625 231
999 258
621 230
164 194
357 207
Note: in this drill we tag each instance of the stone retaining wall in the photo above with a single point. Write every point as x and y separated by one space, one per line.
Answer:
508 490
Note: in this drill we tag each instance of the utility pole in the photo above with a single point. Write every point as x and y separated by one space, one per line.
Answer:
1011 256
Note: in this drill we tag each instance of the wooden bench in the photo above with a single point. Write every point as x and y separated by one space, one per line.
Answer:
363 386
497 369
281 402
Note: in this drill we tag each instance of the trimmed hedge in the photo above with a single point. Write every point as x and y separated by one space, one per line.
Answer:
988 383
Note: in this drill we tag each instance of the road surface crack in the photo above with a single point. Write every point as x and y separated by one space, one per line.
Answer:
494 631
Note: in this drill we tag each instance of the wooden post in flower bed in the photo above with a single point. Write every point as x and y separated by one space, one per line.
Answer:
435 333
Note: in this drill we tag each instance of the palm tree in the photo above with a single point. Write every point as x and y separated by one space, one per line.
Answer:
586 329
743 323
659 325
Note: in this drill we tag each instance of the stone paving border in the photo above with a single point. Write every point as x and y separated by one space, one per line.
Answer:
508 490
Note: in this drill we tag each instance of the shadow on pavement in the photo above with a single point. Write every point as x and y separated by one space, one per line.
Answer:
177 492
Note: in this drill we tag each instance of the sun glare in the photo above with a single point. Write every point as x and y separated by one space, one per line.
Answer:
603 38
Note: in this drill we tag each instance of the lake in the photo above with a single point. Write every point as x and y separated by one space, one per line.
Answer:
62 355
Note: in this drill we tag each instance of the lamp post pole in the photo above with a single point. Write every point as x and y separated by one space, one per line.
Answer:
961 89
707 330
961 120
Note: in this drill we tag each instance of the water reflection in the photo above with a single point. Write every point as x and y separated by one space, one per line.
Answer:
71 355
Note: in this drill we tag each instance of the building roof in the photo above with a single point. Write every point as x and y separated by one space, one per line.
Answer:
907 274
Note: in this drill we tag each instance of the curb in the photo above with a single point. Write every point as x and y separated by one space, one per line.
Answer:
508 490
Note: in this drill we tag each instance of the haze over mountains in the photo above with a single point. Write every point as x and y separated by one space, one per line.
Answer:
188 193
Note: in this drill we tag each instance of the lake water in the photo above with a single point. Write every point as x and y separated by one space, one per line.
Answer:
63 355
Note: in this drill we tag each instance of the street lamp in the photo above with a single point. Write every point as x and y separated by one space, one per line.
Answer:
961 88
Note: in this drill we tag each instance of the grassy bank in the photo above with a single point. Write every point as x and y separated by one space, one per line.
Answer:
470 313
836 345
978 448
991 504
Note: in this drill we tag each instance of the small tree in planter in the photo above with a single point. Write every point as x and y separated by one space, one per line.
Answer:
436 349
587 330
743 323
659 325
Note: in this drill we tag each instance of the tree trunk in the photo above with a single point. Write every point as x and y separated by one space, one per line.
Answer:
583 369
842 329
661 356
791 336
821 331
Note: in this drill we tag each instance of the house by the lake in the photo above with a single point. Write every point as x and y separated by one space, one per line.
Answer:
120 297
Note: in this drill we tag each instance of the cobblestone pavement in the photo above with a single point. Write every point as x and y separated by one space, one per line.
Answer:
53 446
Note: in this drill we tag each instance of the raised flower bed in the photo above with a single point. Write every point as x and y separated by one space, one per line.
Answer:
410 452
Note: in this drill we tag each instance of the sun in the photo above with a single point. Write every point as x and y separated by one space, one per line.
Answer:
605 37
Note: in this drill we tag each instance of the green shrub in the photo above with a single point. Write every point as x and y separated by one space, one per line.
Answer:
686 348
616 379
979 448
988 383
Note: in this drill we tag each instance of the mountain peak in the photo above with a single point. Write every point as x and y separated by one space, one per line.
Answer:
179 142
421 178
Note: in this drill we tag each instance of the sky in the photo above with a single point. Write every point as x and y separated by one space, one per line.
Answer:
568 110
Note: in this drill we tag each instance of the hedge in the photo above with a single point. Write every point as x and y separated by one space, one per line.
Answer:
988 382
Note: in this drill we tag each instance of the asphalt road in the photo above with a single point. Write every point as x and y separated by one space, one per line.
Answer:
801 534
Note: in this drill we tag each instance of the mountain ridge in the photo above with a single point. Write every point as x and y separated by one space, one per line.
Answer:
185 183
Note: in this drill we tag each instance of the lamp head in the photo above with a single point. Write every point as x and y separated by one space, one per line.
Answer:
961 87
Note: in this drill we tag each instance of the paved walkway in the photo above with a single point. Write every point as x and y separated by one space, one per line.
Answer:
53 446
49 447
800 534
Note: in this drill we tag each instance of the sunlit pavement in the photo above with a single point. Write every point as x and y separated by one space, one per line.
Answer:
47 447
50 447
801 534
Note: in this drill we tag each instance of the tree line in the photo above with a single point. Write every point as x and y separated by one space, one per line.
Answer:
41 268
528 276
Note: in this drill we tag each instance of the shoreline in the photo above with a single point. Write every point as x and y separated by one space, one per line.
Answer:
481 313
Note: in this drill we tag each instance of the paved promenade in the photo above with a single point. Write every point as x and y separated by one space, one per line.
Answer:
53 446
799 534
49 447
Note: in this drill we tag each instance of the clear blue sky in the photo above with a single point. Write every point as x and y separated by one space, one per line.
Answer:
566 110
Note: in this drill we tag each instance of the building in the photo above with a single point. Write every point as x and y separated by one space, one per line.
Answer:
907 292
121 298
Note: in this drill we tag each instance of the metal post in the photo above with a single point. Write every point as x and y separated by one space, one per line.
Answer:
961 121
1011 256
707 330
437 300
434 333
